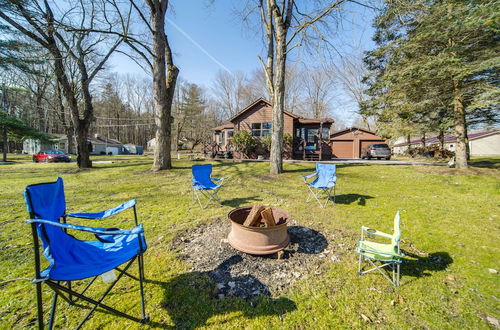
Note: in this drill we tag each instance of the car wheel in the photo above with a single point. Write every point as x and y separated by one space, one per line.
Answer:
35 160
388 158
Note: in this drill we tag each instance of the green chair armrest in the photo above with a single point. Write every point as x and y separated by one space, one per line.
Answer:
375 232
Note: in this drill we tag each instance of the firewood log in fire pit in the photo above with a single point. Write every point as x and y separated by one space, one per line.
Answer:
268 217
253 218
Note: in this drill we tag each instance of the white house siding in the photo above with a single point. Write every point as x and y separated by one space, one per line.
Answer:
485 146
98 149
31 146
151 144
113 150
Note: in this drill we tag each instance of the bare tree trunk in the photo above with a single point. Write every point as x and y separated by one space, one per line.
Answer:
276 155
408 141
5 143
441 142
460 131
163 86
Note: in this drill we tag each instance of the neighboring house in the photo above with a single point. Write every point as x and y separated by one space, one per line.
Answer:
105 146
150 145
257 119
485 143
34 146
133 149
349 142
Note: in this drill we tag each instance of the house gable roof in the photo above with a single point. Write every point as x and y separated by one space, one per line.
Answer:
223 127
254 104
449 139
350 129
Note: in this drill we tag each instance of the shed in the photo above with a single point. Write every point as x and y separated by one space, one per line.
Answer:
349 142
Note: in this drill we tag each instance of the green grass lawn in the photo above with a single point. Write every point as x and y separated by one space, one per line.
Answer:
447 214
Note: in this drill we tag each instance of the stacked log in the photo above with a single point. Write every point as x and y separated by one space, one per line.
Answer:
260 216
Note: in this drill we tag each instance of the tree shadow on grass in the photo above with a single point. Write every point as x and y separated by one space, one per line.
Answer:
351 198
238 201
493 163
193 298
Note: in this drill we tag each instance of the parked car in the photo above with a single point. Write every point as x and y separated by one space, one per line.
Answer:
51 156
379 150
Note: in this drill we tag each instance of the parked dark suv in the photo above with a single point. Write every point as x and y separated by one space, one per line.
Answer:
379 150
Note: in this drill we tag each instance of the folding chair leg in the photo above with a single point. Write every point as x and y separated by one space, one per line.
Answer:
69 287
53 311
398 274
39 304
309 196
359 264
141 285
98 302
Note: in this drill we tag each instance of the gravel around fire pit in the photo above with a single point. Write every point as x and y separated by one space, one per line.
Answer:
246 276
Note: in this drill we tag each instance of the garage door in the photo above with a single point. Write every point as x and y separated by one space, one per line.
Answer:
343 149
366 143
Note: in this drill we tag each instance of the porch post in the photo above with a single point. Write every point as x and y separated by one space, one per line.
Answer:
321 141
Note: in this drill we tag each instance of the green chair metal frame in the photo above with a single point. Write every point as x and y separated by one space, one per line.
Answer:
380 255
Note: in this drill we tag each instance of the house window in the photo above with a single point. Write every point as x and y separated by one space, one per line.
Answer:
256 129
230 133
266 129
261 129
312 135
325 134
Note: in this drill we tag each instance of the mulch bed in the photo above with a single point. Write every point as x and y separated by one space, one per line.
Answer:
237 274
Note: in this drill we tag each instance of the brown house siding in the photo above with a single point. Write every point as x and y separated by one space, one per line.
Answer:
262 113
348 143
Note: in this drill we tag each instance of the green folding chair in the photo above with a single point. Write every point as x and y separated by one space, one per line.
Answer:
379 255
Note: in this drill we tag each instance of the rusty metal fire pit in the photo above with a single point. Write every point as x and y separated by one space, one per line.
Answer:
258 240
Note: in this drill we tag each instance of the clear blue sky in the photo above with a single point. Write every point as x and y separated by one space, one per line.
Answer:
206 38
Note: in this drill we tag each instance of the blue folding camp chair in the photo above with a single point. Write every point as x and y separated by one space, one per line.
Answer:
203 184
71 259
325 182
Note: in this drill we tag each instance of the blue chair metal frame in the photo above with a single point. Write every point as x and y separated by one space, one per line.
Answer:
325 182
203 184
71 259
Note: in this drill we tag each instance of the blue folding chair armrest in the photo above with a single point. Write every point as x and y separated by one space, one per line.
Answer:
309 175
104 214
216 179
305 177
95 230
372 231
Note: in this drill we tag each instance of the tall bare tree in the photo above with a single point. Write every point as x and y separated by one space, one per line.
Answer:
71 37
284 22
159 58
229 91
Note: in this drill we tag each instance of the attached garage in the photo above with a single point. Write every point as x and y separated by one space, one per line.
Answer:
349 142
342 149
